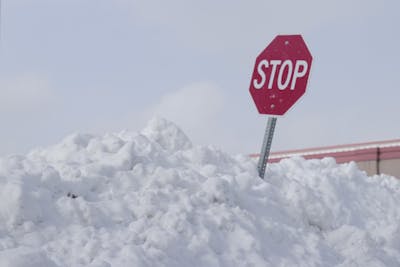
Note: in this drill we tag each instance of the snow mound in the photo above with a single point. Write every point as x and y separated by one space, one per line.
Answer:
154 199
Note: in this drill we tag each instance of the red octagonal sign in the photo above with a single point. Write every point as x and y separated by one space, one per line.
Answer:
280 74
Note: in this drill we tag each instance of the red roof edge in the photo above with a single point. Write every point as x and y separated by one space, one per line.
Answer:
369 151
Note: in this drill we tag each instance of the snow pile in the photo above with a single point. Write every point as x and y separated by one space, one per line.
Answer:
154 199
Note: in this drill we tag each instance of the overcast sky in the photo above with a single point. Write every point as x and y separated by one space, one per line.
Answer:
97 66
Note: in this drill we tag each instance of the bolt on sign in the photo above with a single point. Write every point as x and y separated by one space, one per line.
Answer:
279 79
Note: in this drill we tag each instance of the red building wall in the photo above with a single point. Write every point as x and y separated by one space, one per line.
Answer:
373 157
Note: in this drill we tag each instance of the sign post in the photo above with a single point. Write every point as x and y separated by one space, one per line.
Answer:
279 79
266 146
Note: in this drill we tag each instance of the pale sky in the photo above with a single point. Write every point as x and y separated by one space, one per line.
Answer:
98 66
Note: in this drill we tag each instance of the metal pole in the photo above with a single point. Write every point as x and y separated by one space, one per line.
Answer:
266 146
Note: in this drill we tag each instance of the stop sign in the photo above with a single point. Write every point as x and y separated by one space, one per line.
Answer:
280 74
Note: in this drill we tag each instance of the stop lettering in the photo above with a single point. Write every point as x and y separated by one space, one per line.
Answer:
292 74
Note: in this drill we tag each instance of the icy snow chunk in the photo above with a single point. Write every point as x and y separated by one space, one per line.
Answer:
24 257
77 140
26 191
167 135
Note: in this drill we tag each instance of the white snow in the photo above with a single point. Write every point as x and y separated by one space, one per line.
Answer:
154 199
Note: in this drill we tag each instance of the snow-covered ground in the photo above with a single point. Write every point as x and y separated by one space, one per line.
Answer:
154 199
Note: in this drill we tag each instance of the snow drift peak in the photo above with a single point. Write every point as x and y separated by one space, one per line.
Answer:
167 134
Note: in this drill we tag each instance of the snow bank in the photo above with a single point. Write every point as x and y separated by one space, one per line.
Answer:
154 199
